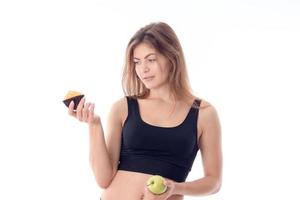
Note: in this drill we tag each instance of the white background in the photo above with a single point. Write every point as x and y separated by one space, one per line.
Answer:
242 57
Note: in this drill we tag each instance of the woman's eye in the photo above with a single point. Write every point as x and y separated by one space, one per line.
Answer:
136 62
152 60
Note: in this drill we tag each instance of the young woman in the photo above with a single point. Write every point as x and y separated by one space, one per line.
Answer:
157 128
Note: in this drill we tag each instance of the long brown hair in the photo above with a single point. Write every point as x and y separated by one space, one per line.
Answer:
164 40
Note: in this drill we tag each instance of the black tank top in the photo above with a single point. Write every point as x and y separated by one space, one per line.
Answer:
166 151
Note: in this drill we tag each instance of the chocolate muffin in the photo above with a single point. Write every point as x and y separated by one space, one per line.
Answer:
73 96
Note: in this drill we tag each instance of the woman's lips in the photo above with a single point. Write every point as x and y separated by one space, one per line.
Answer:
149 78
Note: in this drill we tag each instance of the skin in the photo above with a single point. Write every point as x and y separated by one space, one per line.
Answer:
131 185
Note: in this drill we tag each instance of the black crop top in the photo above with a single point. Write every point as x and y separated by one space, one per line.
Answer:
166 151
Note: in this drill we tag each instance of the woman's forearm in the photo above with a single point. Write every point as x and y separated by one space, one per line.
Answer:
200 187
99 158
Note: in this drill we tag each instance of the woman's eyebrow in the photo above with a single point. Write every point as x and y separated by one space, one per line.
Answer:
145 56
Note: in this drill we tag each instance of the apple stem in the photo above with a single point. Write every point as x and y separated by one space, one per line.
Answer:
150 183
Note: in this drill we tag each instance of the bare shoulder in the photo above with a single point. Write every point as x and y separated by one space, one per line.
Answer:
205 106
119 108
207 116
120 103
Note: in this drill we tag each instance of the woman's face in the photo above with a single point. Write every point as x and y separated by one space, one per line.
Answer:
150 66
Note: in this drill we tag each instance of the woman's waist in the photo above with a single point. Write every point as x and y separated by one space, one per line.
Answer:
127 185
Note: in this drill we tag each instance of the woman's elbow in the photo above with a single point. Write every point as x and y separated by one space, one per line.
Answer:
217 186
102 184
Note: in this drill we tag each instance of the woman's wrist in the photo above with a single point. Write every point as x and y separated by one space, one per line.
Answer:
95 128
95 123
179 188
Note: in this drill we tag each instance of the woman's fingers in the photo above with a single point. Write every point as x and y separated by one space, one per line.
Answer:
79 109
91 113
85 112
71 109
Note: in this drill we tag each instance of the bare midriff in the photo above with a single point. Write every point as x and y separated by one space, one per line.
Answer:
127 185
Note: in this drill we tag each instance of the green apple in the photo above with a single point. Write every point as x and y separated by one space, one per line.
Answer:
156 184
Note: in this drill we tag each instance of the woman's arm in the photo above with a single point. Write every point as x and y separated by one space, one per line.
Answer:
200 187
99 158
104 154
211 151
103 158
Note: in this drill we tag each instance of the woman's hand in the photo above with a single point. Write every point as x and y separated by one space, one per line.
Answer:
169 192
84 112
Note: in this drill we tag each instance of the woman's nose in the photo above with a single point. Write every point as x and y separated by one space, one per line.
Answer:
145 68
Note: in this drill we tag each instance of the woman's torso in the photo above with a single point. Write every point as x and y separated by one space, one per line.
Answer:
128 185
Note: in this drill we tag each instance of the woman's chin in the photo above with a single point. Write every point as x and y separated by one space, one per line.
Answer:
148 87
153 85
